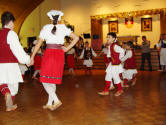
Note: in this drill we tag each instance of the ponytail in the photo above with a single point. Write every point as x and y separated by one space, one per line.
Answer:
55 21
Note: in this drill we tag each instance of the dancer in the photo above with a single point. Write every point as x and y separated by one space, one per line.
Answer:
11 52
87 54
106 54
162 46
114 68
23 69
37 61
130 68
70 60
53 59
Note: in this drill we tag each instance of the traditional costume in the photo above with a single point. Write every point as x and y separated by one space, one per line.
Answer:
88 54
23 69
37 61
130 67
162 45
52 65
114 69
11 52
106 56
70 58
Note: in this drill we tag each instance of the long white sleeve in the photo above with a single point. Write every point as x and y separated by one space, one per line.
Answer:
93 53
16 48
128 55
158 44
108 51
119 50
82 54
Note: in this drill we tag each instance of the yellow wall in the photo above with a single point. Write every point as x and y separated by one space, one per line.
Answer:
136 29
36 20
78 12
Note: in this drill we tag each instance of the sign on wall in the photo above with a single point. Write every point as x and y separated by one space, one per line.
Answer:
113 26
146 24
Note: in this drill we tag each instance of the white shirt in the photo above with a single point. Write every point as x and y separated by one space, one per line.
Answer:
119 50
38 52
104 50
159 44
16 48
108 52
82 54
58 37
71 51
128 55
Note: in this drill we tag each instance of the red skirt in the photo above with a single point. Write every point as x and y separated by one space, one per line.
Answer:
52 66
70 61
37 62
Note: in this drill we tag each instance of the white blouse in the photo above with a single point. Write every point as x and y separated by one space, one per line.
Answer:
58 37
71 51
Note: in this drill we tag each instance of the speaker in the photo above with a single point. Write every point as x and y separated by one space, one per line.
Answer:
95 36
86 35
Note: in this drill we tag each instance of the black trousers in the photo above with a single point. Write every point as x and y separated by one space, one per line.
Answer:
148 57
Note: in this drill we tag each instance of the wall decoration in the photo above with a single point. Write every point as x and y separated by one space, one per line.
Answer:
113 26
146 24
131 13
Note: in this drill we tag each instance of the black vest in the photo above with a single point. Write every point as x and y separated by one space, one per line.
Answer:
163 45
87 54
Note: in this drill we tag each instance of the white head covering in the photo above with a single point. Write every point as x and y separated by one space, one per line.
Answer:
53 13
34 42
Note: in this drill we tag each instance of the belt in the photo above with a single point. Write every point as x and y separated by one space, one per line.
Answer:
54 46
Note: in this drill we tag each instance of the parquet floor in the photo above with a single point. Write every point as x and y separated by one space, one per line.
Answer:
142 104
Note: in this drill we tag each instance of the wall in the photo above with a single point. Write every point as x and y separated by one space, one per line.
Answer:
36 20
135 30
78 13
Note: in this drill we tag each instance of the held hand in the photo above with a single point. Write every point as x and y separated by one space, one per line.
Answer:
64 49
31 63
96 56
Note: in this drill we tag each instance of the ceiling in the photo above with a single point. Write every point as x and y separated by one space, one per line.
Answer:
20 8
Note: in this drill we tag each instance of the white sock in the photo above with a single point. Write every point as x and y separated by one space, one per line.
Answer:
51 89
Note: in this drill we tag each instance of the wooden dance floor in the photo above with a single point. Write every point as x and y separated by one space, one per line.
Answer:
142 104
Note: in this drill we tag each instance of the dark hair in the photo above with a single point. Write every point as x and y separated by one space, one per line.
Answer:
80 38
130 44
112 34
124 43
67 38
55 21
86 42
144 37
6 18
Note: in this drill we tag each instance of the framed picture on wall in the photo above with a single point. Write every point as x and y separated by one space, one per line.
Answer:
113 26
146 24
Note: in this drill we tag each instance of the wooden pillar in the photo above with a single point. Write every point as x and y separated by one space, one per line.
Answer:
96 28
163 22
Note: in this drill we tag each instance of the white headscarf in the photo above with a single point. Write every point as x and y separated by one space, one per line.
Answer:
34 42
53 13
